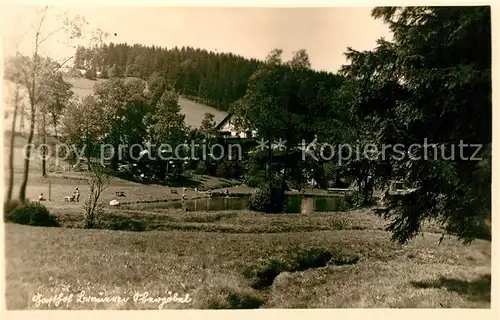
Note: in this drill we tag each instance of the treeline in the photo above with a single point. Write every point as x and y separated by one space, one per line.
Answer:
216 79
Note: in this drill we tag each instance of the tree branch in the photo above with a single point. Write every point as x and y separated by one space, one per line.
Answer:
62 64
49 35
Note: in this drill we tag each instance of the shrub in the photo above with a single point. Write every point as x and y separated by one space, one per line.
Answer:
229 169
224 170
269 198
92 208
254 180
201 168
74 73
115 72
30 213
90 74
10 206
357 200
92 214
104 74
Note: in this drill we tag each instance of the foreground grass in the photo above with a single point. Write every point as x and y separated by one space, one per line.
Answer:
210 266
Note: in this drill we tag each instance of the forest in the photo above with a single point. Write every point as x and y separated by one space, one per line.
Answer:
215 79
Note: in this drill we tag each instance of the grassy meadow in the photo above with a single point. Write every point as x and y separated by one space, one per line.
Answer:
228 259
212 266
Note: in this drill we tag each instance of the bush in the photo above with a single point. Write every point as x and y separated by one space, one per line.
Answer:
269 198
30 213
74 73
92 208
10 206
115 72
90 74
254 181
201 168
357 200
229 169
104 74
92 215
224 170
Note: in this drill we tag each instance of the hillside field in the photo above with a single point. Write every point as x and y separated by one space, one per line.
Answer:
193 111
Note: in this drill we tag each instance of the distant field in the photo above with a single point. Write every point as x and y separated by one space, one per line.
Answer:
193 111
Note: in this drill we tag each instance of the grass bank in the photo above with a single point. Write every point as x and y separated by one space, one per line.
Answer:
212 267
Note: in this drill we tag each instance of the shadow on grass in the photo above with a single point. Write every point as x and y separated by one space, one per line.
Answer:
124 224
478 289
262 277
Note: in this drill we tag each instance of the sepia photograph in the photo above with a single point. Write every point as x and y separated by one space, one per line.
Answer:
160 158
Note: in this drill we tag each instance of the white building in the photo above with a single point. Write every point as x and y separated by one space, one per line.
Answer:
227 127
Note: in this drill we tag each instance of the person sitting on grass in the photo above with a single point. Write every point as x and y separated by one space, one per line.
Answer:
76 195
40 197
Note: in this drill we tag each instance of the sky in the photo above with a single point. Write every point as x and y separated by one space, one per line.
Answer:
325 33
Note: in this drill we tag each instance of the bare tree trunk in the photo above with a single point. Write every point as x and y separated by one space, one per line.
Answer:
54 120
21 122
33 97
22 191
11 151
269 160
44 149
39 132
89 154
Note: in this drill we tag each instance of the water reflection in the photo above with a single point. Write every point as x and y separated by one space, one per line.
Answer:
294 204
301 204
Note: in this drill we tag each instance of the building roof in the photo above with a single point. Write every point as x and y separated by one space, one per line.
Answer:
224 121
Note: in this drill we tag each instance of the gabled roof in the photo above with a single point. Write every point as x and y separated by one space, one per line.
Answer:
224 121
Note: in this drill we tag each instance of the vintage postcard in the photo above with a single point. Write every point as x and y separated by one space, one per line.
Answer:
195 157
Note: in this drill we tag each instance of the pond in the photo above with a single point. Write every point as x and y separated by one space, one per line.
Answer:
295 204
